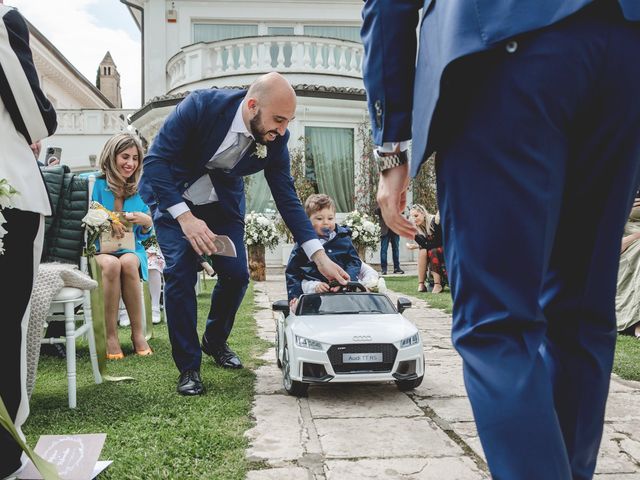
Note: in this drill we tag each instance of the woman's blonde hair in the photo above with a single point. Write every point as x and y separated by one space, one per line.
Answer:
120 186
427 227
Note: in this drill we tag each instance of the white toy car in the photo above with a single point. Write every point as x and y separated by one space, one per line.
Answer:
349 336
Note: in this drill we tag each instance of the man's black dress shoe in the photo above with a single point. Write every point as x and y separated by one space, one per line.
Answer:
190 383
398 271
223 355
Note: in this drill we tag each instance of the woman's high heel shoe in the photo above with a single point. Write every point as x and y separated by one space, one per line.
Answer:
144 353
115 356
437 288
421 287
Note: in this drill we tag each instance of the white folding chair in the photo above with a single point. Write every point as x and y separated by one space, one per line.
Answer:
63 308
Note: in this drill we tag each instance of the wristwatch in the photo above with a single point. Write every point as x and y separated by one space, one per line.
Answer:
385 161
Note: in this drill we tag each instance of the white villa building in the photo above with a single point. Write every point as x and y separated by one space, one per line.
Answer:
87 117
190 45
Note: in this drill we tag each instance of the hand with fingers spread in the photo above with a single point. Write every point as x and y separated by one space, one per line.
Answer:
392 199
198 234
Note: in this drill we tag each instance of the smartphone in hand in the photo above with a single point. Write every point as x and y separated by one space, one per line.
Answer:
53 156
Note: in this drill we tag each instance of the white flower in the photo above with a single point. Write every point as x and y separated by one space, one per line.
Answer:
369 226
261 150
95 218
6 192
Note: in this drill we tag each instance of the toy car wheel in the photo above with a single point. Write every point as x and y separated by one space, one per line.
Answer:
278 362
297 389
405 385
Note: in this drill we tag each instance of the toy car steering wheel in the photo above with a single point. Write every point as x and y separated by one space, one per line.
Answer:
349 287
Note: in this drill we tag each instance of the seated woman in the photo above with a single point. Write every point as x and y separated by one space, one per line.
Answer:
116 189
430 258
628 294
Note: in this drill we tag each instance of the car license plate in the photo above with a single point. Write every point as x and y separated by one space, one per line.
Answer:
362 357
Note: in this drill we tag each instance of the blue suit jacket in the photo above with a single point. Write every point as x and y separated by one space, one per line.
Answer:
397 88
191 135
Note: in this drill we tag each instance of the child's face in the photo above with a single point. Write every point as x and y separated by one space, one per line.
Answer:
323 221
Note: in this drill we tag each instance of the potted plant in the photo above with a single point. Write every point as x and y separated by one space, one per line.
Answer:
259 233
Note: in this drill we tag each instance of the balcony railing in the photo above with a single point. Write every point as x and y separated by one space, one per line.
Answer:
97 122
255 55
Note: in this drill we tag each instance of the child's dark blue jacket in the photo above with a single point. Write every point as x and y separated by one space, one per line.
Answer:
339 249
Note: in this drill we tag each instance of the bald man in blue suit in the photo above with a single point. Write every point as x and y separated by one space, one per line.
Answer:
193 182
533 108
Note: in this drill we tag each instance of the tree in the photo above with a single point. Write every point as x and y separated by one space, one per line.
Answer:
424 186
366 184
304 187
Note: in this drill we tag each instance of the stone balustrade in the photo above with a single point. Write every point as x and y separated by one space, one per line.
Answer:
256 55
86 121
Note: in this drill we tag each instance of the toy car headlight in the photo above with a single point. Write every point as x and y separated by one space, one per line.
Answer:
409 341
308 343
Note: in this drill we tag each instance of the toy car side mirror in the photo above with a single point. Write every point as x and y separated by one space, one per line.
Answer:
281 306
403 304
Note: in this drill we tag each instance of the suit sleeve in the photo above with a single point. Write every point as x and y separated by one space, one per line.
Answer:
390 44
30 110
278 176
168 147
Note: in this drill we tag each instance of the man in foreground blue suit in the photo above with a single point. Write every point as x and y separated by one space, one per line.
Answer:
533 109
193 181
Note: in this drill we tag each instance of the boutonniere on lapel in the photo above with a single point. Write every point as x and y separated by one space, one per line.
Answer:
261 150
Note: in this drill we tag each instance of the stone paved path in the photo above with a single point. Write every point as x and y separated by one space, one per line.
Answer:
374 431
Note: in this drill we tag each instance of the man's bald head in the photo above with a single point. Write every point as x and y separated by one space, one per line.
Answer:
271 87
269 106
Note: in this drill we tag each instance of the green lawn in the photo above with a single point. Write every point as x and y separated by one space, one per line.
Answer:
626 363
409 286
152 432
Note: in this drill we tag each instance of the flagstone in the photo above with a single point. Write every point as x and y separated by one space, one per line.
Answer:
352 400
278 434
449 468
285 473
383 437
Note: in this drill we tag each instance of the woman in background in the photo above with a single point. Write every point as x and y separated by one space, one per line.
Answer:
628 292
116 189
432 257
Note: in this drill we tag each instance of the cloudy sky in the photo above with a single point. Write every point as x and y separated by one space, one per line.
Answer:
84 30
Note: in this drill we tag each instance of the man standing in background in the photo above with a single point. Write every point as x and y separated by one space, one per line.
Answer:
388 236
26 116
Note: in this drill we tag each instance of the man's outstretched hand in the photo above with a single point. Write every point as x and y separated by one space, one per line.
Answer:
392 199
330 270
198 233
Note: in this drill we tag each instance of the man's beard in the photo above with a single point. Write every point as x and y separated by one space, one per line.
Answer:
257 131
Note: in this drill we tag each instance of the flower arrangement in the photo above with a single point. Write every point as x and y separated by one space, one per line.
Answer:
97 220
6 192
261 150
260 230
364 231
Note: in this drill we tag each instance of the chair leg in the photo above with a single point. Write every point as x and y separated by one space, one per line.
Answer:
92 349
70 327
